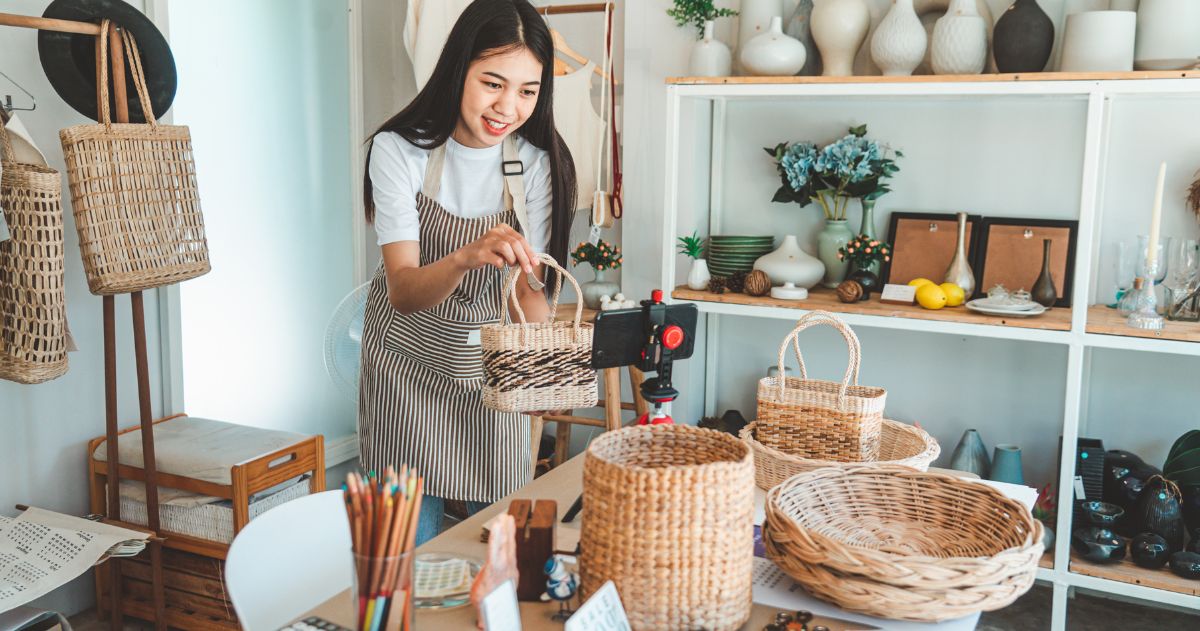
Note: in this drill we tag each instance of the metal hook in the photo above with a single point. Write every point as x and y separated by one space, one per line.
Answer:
1028 234
933 227
8 105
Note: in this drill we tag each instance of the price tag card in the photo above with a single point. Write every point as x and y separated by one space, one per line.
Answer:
898 294
602 612
500 611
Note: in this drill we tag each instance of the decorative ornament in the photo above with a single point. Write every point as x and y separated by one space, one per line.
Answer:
849 291
736 282
758 283
718 284
561 585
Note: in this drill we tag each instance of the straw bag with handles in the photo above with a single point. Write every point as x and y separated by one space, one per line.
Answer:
33 319
134 195
821 420
532 366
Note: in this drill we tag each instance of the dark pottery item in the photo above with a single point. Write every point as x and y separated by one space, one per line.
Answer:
1122 458
1149 550
971 455
1186 564
1103 514
1190 504
868 280
1044 292
1158 511
1194 541
1023 38
1098 545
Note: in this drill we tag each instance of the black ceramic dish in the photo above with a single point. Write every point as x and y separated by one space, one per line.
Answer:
1098 545
1186 564
1102 514
1149 550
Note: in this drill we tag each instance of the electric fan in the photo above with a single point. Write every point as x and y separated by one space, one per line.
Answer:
343 341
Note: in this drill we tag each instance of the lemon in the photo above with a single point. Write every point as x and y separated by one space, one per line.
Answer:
931 296
917 282
954 294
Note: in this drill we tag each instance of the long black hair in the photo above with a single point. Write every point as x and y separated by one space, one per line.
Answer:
485 28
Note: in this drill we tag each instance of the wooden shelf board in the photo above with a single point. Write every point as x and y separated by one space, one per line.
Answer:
1126 572
1047 560
972 78
826 299
1105 321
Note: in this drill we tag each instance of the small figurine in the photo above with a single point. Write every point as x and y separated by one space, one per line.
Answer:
561 585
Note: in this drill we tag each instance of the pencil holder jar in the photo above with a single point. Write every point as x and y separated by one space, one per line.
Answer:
383 587
668 516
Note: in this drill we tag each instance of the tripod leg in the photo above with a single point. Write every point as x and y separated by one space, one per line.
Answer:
150 466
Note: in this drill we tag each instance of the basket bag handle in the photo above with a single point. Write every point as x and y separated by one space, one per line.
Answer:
9 155
135 66
510 287
812 319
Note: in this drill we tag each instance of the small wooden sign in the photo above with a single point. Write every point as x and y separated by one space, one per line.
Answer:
898 294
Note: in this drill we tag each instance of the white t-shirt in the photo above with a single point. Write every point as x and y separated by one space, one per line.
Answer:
472 186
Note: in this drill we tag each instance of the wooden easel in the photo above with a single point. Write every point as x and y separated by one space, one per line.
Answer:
113 513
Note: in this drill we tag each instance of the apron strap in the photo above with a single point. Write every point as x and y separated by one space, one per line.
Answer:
433 171
514 183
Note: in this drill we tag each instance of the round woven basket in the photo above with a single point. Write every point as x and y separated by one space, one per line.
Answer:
899 444
902 544
669 518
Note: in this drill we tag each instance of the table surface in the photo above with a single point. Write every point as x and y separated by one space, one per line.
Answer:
563 484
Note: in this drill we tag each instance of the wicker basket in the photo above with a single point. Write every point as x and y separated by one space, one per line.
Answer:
899 444
668 516
33 318
902 544
825 419
134 195
531 367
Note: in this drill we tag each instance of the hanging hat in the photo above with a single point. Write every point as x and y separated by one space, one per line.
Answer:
69 59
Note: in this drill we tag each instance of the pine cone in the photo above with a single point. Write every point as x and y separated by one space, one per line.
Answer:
717 285
736 282
758 283
849 291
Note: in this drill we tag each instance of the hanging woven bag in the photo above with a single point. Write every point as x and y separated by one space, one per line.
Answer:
535 366
133 194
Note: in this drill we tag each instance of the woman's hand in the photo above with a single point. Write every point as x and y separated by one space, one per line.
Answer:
498 247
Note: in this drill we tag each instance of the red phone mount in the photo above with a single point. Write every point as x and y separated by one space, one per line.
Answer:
661 341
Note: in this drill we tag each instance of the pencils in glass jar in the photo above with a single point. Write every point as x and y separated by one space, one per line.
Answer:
383 511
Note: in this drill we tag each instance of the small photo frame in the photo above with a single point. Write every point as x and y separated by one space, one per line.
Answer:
1010 254
923 245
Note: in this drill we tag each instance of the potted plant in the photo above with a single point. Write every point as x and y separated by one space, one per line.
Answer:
710 56
693 248
850 167
603 257
861 253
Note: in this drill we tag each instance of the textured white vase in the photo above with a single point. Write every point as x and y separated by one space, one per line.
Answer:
960 41
698 276
791 264
839 28
1168 35
754 18
898 45
773 54
710 56
1098 41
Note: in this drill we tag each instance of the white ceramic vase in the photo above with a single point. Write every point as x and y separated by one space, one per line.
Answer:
1168 35
773 54
839 28
960 40
698 276
791 264
898 45
754 18
1099 41
710 56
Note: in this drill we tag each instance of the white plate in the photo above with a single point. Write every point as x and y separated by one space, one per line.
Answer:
1037 310
986 303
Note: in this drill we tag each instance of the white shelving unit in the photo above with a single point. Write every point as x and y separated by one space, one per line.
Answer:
1076 333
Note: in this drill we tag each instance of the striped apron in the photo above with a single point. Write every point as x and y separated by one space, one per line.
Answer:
421 380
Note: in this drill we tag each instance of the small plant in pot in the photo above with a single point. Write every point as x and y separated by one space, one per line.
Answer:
710 57
693 248
862 252
604 258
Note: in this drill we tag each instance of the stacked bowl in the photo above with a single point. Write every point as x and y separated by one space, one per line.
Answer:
728 254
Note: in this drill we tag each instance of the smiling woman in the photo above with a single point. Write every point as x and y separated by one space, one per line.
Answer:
471 177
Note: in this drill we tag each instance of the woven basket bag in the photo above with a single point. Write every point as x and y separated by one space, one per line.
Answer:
899 444
668 516
33 318
538 366
133 194
824 420
902 544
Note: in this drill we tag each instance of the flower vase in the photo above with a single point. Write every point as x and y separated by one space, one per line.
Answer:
773 54
866 279
959 272
868 228
1006 465
970 455
1022 38
800 27
698 276
791 264
710 56
600 286
960 40
898 45
832 237
1044 292
839 28
754 18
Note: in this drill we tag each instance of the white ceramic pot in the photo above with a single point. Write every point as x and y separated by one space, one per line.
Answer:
754 18
1168 35
930 10
791 264
710 56
960 40
1099 41
773 54
898 45
698 276
839 28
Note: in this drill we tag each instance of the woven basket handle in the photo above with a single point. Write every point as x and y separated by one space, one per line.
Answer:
9 154
135 66
510 287
812 319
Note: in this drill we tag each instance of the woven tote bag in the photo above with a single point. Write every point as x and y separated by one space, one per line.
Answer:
33 318
134 195
534 366
821 420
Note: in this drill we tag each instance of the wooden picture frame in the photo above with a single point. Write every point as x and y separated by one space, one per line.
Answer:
1010 253
923 244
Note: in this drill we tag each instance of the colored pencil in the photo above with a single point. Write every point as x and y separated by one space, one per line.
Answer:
383 510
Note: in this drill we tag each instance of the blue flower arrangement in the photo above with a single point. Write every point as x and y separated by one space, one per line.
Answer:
850 167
